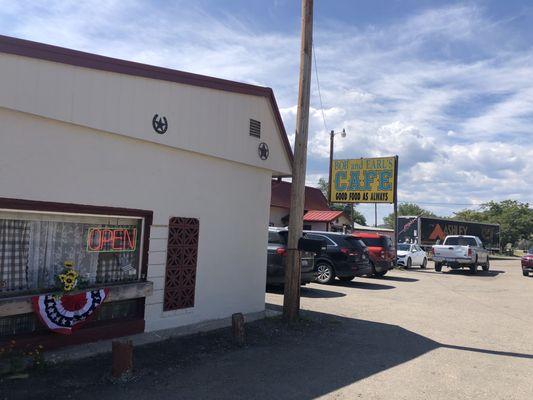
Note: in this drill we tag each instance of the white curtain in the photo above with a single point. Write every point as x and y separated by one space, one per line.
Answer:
53 243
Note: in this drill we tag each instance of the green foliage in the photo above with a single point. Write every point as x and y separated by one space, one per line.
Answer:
407 209
515 219
357 216
323 186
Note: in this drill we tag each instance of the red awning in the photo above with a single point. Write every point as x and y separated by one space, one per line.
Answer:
321 216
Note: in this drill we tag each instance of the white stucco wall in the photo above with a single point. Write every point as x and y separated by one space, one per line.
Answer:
276 214
44 159
203 120
317 226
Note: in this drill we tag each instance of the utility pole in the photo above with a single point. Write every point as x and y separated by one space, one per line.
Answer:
291 298
331 141
375 214
331 145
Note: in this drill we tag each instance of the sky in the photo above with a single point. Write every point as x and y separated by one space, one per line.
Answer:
445 85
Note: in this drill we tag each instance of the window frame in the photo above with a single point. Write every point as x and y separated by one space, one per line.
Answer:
44 207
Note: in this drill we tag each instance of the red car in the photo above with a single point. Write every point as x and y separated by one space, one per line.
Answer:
527 262
380 250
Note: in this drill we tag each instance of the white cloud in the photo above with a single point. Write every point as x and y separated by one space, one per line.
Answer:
448 89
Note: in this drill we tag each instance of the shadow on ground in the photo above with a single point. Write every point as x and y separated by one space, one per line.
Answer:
357 283
317 356
491 273
310 292
397 279
320 354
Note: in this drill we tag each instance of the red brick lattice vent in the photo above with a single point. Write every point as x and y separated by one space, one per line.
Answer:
182 255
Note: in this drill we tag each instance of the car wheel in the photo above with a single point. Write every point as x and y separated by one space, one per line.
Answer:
424 263
473 267
525 273
380 274
325 273
486 266
409 263
346 278
438 267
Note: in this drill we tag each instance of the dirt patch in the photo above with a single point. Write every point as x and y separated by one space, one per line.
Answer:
155 365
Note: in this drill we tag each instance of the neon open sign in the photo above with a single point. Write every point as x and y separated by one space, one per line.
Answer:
111 239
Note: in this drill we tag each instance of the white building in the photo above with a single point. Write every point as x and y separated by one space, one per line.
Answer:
95 149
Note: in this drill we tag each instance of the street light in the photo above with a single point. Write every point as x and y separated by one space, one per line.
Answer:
331 136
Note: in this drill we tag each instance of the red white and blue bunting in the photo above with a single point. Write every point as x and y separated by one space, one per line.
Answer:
64 314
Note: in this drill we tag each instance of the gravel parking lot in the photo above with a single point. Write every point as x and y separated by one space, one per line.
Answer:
414 334
458 336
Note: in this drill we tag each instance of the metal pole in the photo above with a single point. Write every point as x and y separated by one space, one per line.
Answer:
376 214
395 210
331 136
291 298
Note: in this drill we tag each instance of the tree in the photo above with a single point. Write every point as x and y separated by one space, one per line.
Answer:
515 219
323 186
357 216
469 215
407 209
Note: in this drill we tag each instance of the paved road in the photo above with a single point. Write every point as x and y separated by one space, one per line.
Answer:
416 334
462 336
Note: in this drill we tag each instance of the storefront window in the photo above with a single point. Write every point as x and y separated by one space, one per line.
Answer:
35 246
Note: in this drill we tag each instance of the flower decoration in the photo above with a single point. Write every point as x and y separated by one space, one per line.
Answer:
69 277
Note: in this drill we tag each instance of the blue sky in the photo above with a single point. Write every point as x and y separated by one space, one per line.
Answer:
445 85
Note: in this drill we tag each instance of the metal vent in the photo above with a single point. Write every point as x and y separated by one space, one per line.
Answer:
255 128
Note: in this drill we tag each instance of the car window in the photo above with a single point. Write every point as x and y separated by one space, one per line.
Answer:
403 247
277 237
460 241
530 251
355 243
374 242
325 239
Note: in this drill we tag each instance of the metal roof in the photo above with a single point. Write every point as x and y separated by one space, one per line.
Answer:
321 216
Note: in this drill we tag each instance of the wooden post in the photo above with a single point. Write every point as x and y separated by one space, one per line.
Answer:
291 298
122 353
237 325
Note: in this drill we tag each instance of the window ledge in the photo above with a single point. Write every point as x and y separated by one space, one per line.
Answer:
22 304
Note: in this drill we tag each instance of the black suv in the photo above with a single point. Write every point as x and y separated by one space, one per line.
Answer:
345 257
277 244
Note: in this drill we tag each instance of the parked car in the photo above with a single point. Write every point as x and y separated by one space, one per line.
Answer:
344 257
381 252
277 251
459 251
527 262
411 254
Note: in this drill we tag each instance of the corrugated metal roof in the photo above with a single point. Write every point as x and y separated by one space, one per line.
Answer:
321 216
281 196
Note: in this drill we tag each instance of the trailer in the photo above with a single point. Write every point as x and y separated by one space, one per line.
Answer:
428 231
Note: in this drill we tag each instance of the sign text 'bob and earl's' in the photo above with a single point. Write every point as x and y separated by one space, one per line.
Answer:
363 180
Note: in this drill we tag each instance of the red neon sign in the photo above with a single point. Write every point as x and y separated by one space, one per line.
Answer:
111 239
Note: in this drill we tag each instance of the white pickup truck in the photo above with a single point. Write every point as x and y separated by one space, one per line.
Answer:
461 251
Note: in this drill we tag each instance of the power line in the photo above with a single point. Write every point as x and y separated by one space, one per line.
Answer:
442 204
318 86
